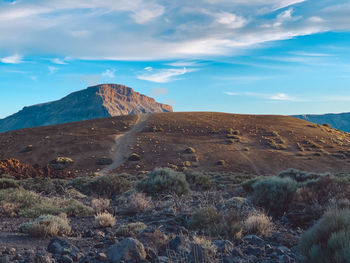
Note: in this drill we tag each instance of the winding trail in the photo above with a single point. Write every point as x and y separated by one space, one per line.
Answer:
124 141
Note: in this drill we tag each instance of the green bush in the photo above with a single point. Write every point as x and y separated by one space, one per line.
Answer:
45 185
46 226
328 240
199 181
300 176
61 163
274 194
106 185
8 183
130 229
204 218
164 181
31 204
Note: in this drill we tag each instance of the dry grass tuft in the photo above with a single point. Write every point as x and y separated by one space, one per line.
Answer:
259 224
105 219
47 226
100 205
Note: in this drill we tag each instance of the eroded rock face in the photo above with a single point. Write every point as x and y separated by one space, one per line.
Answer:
99 101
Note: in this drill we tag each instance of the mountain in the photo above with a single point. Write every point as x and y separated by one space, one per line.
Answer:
339 121
99 101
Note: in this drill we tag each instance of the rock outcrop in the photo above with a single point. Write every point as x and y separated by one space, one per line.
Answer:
99 101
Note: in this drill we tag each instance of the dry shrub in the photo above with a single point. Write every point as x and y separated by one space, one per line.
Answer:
205 243
204 218
230 225
100 205
9 209
131 229
156 239
259 224
105 219
47 226
133 202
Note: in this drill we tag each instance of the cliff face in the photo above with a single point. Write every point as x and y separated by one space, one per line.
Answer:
339 121
94 102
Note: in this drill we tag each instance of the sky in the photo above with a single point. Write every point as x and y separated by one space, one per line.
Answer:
239 56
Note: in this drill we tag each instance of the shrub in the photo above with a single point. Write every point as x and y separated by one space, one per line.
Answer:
61 163
106 185
229 225
274 194
221 162
204 218
100 205
134 203
199 181
134 157
164 181
300 176
258 224
235 202
8 183
248 184
105 219
328 240
131 229
104 160
31 204
46 226
190 150
45 185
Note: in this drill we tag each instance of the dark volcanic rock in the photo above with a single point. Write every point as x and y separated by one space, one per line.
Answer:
94 102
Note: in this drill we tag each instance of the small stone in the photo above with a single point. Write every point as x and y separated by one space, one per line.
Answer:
65 259
10 251
102 256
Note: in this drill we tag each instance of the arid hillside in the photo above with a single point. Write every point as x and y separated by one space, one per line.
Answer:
203 141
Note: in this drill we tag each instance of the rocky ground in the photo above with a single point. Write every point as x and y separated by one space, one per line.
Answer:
165 216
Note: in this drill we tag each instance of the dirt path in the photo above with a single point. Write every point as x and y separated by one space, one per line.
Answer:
123 142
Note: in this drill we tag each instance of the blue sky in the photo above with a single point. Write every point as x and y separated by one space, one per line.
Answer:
239 56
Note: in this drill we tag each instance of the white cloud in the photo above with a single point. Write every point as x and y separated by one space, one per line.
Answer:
155 29
52 70
15 59
58 61
230 20
158 91
109 73
164 75
275 96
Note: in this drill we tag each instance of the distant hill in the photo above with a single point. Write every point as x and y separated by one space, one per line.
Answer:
219 142
99 101
339 121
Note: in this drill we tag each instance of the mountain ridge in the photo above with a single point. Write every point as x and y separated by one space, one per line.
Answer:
340 121
99 101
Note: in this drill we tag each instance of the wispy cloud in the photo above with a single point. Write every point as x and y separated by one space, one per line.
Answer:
52 70
164 75
14 59
158 92
109 73
268 96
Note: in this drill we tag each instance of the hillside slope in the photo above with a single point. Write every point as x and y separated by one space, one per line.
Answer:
94 102
339 121
222 142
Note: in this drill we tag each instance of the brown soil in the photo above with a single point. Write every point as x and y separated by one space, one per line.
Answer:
267 144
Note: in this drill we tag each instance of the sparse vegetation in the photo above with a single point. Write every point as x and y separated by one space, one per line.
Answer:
204 218
106 185
134 157
190 150
328 240
46 226
61 163
199 181
259 224
164 181
100 205
8 183
104 160
105 219
30 204
130 229
274 194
